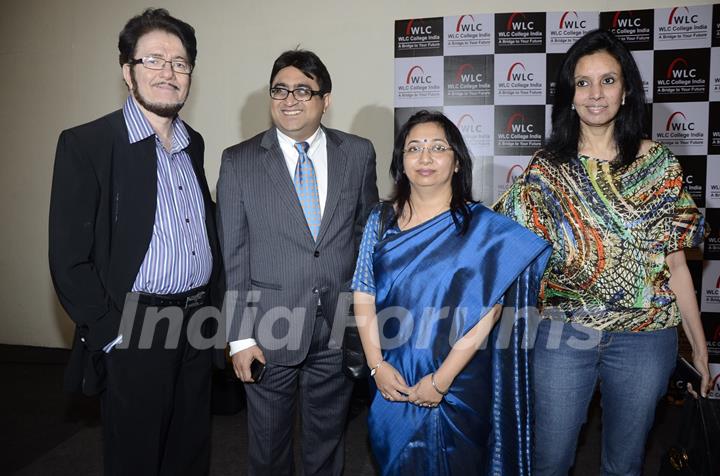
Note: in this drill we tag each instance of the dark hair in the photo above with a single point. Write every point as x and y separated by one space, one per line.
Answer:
630 120
150 20
307 62
461 181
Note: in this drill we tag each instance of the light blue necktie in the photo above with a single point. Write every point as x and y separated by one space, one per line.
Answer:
307 189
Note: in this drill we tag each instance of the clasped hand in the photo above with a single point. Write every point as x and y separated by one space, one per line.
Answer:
393 388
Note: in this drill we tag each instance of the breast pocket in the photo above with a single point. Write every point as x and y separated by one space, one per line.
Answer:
264 285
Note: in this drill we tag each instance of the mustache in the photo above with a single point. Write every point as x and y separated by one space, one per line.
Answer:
163 83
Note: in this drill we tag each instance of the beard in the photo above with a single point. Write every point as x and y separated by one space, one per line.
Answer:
162 110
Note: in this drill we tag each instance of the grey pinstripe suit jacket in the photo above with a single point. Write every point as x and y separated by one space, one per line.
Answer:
267 246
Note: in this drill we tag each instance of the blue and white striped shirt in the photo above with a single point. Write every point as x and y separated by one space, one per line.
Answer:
179 257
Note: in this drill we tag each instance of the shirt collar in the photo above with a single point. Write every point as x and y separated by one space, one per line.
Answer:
312 141
139 127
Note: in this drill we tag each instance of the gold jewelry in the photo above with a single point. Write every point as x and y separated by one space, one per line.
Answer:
432 380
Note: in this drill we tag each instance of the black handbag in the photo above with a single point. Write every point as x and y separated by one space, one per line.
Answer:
695 451
354 363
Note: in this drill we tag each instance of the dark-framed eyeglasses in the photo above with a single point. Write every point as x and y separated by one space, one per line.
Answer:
279 93
180 66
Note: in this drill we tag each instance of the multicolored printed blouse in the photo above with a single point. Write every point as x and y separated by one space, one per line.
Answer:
611 227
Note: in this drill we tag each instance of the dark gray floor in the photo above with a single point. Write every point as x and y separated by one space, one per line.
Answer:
46 433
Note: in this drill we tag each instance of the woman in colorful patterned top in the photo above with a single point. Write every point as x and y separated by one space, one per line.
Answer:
617 285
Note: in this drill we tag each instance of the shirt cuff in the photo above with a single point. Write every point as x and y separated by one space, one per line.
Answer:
110 345
242 344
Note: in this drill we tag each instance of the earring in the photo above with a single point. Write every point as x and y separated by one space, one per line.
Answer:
622 103
572 106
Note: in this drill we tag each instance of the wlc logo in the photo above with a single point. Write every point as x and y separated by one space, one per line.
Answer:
518 72
570 19
518 124
417 75
680 69
518 21
465 74
466 125
629 21
679 122
515 171
421 29
712 294
715 387
467 26
681 17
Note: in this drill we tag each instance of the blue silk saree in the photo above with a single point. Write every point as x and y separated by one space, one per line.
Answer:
432 286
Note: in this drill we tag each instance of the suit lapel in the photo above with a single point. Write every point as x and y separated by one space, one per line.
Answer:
135 191
336 162
276 168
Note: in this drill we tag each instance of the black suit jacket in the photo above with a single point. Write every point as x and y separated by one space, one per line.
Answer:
102 212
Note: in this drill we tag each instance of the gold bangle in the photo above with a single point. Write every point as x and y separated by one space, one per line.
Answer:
432 380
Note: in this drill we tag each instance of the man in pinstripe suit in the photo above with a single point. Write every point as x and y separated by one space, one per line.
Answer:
292 203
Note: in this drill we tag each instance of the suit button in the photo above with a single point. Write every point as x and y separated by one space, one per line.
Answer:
315 290
317 254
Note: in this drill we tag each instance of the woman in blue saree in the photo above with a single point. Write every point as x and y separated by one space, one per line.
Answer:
435 271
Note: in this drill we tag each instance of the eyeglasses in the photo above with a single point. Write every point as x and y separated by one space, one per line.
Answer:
435 150
180 66
279 93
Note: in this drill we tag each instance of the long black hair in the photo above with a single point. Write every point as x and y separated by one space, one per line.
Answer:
461 181
630 120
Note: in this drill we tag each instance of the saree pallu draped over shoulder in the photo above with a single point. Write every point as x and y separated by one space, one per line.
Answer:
433 285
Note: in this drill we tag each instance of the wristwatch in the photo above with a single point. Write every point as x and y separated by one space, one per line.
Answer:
375 368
